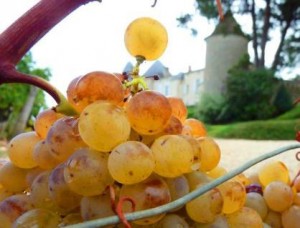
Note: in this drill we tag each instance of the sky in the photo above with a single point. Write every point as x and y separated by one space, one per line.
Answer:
92 37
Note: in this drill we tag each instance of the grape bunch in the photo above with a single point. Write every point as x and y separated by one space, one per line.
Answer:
136 146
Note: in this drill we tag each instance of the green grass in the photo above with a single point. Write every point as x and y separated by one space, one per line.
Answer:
292 114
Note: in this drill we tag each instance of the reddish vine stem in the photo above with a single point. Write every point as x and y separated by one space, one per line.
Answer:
26 31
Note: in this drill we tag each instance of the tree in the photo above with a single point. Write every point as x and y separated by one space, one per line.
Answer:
20 102
267 16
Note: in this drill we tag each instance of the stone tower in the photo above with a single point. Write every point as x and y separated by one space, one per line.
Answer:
224 48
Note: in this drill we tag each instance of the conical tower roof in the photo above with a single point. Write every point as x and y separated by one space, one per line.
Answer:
229 26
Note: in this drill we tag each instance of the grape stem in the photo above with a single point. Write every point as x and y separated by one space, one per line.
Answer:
26 31
185 199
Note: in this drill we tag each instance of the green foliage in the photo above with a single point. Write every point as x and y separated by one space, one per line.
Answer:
13 96
294 113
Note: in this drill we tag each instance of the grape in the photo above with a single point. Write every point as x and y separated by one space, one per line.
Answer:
42 156
278 196
290 218
297 199
86 172
273 219
173 127
273 171
13 178
103 126
150 193
254 188
242 179
5 221
196 126
70 219
94 86
296 183
32 174
196 151
4 193
146 37
20 149
256 201
210 154
179 109
173 155
148 112
14 206
63 138
234 196
39 194
172 220
219 222
217 172
131 162
93 207
197 178
60 192
37 218
44 121
212 201
178 186
245 218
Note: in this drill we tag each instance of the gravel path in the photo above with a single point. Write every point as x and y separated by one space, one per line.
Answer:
235 152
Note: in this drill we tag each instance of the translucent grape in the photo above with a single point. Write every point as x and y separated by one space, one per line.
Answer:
63 138
234 196
197 127
254 188
42 156
94 86
178 186
173 155
212 201
5 221
150 193
71 219
197 178
245 218
146 37
273 171
173 127
179 109
131 162
14 206
86 172
273 219
217 172
93 207
196 151
210 153
148 112
172 220
257 202
13 178
37 218
278 196
60 192
291 217
44 121
103 126
20 149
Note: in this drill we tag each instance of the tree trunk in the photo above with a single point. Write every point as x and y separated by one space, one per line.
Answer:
265 33
21 122
254 29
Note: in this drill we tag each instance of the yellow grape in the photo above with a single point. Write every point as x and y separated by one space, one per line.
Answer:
173 127
5 221
278 195
234 196
71 219
63 138
210 153
196 126
297 199
273 171
148 112
13 178
94 86
20 149
173 155
196 151
291 217
217 172
44 121
273 219
257 202
179 109
86 172
14 206
178 186
37 218
196 178
296 183
242 178
95 207
245 218
60 193
42 156
146 37
206 207
32 174
103 126
150 193
219 222
4 193
172 220
131 162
